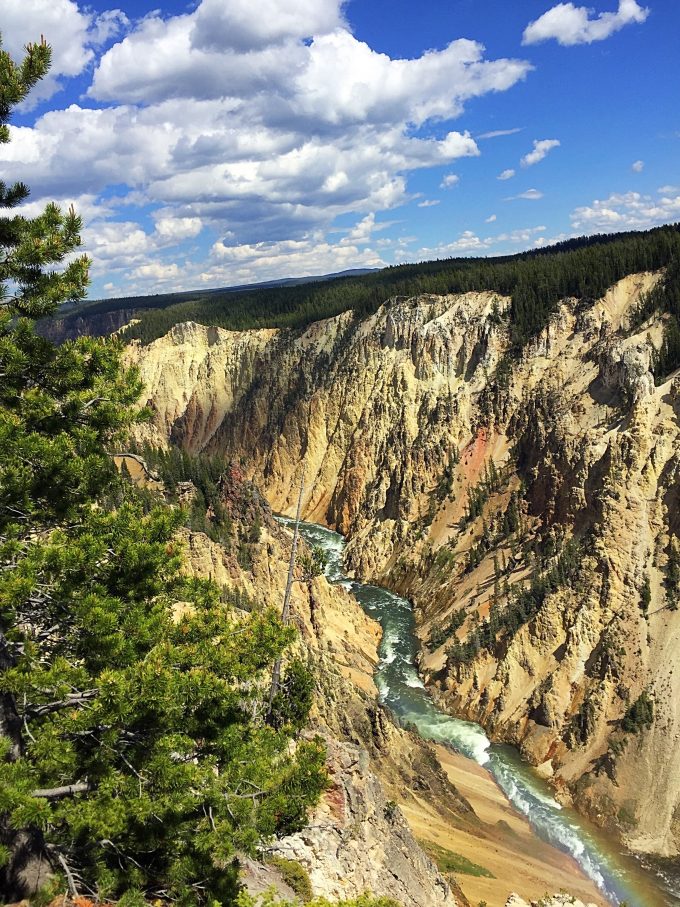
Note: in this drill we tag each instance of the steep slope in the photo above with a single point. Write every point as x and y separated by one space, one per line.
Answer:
374 764
340 643
459 476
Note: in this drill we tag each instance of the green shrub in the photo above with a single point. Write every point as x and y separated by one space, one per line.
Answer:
640 715
449 861
294 875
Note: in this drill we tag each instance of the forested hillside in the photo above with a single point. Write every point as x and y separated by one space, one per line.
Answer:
536 281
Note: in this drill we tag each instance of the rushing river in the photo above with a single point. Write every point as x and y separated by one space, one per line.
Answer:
619 876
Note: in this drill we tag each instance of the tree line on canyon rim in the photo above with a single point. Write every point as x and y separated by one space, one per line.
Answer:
536 282
138 758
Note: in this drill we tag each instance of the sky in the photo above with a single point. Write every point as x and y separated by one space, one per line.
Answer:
226 142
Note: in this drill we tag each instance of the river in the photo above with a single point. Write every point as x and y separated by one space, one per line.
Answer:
620 877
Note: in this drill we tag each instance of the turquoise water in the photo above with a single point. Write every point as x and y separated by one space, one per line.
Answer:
619 876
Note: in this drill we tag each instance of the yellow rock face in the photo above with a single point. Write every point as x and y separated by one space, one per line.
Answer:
393 419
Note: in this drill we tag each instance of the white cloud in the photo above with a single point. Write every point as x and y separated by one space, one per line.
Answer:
638 166
522 236
334 79
450 180
71 32
428 203
176 228
628 211
569 24
290 146
469 243
107 25
491 219
506 175
87 205
157 271
542 147
530 195
362 231
498 133
232 25
273 260
242 121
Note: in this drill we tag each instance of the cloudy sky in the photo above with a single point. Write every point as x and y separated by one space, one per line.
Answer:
230 141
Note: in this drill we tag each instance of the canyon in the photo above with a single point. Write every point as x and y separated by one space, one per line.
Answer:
396 803
459 475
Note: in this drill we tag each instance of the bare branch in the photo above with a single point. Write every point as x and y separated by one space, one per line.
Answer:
73 891
58 793
72 701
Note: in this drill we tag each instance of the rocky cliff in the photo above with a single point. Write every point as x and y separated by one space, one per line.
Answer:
528 506
357 839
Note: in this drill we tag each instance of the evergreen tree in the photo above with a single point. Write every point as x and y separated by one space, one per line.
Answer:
29 246
134 751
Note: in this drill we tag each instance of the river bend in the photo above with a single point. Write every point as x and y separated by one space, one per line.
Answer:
620 877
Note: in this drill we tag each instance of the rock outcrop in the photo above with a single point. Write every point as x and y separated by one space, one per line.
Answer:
459 476
358 840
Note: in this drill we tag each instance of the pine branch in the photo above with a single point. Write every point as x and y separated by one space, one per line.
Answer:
73 701
58 793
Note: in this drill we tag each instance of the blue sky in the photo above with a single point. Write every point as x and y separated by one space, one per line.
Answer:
231 141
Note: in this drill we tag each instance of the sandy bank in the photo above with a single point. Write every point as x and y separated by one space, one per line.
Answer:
504 843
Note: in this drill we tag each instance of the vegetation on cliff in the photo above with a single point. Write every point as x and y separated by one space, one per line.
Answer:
138 752
536 281
665 298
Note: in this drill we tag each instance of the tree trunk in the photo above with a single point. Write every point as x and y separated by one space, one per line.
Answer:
27 869
285 613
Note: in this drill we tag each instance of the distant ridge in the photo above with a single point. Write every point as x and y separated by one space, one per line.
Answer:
235 288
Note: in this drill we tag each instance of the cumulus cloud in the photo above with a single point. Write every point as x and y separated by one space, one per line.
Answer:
72 33
246 122
569 24
638 166
450 180
506 174
233 24
470 243
628 211
428 203
542 147
271 260
531 195
333 78
175 228
157 271
490 219
106 26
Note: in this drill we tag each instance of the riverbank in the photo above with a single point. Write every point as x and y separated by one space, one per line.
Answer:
504 844
501 788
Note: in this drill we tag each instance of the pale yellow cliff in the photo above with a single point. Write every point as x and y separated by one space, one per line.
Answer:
356 840
393 419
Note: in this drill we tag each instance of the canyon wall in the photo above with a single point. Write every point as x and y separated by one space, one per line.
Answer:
527 506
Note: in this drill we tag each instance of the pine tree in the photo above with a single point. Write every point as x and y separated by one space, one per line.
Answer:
134 751
29 246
